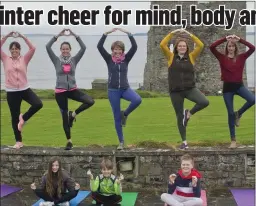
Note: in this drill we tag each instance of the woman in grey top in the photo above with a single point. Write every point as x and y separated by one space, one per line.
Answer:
66 88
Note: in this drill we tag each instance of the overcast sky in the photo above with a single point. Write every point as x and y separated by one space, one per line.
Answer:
46 6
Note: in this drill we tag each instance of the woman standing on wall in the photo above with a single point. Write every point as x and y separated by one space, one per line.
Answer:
232 66
118 86
66 88
181 78
16 83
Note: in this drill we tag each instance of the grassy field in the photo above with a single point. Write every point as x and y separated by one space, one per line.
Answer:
153 123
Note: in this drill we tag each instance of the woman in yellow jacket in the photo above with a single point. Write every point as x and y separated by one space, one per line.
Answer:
181 79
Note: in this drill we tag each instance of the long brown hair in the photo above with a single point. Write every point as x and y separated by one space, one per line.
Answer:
175 51
236 48
49 178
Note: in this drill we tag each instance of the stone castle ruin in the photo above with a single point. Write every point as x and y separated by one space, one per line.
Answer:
207 66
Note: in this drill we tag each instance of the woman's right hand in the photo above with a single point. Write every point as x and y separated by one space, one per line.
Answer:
33 186
172 178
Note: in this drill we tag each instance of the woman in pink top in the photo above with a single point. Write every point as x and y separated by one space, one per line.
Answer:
16 84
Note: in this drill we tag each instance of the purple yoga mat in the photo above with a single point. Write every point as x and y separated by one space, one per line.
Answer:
244 197
7 189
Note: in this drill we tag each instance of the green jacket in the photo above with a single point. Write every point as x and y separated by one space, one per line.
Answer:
105 186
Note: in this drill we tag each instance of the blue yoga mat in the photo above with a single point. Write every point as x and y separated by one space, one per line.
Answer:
74 202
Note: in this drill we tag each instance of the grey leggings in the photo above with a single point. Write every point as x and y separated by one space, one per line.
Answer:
193 95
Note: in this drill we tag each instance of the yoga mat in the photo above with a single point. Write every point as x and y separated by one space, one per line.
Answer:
244 197
74 202
128 198
7 189
203 196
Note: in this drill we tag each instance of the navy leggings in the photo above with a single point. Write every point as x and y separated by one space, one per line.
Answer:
115 96
229 101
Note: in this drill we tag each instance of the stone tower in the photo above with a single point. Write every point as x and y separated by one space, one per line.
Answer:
207 66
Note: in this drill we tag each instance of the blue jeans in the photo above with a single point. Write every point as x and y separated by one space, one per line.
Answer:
229 101
114 96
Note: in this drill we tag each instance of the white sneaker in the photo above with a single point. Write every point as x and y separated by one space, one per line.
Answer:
46 204
64 204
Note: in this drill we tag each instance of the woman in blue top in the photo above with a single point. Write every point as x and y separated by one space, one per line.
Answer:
118 86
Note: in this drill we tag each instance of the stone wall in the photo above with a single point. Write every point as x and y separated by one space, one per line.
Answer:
151 167
207 67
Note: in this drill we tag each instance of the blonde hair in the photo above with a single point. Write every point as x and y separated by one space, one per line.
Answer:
187 157
118 44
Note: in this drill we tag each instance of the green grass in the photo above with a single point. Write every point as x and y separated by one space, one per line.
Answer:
152 124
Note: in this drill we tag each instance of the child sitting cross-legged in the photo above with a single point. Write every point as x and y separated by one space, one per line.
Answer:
184 188
106 187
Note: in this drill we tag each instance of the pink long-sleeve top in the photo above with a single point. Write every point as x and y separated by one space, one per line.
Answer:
16 69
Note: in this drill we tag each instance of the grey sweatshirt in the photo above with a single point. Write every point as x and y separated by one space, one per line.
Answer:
65 81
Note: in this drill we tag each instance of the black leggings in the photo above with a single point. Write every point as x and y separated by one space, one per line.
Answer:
66 197
14 100
106 200
178 98
62 101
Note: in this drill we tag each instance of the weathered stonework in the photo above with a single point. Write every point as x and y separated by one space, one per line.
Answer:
151 167
207 67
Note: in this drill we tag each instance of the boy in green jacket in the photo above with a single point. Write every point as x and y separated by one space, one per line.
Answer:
106 188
